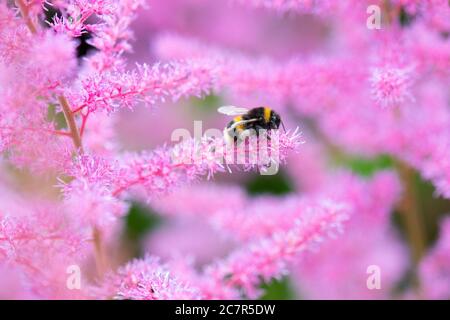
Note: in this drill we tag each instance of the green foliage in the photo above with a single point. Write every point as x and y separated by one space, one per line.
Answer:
405 18
365 167
278 290
57 117
207 104
51 112
431 208
139 221
277 184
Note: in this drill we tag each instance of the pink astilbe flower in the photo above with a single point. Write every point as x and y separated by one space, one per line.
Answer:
264 78
301 6
56 56
11 284
147 84
191 237
69 182
337 97
30 138
89 194
100 137
437 168
112 37
111 32
146 279
328 272
244 218
436 14
339 269
434 269
200 201
391 86
267 258
265 216
14 36
312 174
98 184
167 168
39 242
238 216
77 12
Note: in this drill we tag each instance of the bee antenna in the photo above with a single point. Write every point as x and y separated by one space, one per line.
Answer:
282 124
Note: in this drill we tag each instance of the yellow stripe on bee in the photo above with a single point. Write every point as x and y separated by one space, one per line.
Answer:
237 119
267 112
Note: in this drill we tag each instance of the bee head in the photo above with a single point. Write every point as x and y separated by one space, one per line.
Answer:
275 120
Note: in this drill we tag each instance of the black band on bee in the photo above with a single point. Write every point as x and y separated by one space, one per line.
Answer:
260 118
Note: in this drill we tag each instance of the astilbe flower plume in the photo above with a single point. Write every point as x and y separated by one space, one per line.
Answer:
146 279
68 182
148 84
266 257
391 86
165 168
369 240
300 6
32 233
366 204
326 89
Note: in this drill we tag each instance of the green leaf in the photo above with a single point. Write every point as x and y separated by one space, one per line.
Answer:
139 221
277 184
57 117
51 112
208 104
278 290
365 167
405 18
60 121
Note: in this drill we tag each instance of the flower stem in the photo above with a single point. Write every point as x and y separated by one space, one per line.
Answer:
100 258
24 12
410 215
74 133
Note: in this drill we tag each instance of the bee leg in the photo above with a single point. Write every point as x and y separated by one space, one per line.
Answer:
257 128
231 136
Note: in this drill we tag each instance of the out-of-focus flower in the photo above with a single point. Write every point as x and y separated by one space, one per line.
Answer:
66 181
146 279
434 270
300 6
188 237
339 269
267 258
38 243
391 86
89 194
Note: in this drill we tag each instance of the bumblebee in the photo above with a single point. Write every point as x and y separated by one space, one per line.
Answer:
260 118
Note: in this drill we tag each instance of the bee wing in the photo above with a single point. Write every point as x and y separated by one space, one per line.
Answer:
232 110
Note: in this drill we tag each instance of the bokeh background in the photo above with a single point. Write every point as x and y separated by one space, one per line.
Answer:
279 36
373 107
